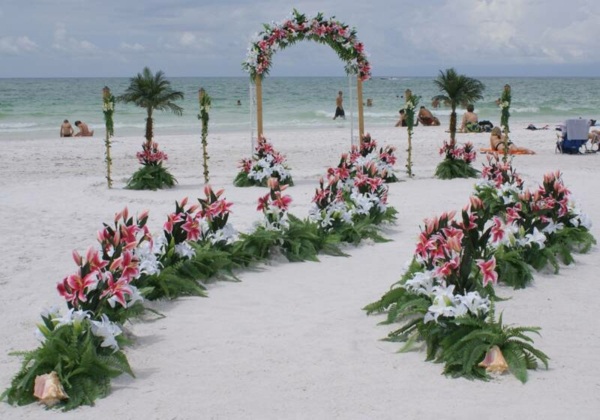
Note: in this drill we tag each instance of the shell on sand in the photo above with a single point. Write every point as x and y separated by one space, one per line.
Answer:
48 389
494 361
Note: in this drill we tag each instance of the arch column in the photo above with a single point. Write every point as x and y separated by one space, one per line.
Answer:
259 108
361 120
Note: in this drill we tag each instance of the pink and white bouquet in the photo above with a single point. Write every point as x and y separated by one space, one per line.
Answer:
150 154
266 163
457 161
274 205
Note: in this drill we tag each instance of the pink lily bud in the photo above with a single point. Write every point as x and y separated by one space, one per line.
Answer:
77 258
273 183
143 215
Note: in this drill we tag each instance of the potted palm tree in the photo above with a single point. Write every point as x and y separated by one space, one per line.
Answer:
456 89
152 92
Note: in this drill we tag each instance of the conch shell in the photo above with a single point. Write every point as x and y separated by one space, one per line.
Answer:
494 361
48 389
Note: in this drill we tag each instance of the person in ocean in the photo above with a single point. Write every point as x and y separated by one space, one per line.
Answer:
470 121
425 117
339 106
66 129
84 130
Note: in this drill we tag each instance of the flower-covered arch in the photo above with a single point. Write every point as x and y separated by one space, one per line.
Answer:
277 36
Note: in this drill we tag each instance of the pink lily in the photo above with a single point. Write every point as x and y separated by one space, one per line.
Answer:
488 269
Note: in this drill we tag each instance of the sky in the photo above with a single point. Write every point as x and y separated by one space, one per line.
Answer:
206 38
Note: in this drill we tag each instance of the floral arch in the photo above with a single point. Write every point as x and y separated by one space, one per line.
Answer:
278 36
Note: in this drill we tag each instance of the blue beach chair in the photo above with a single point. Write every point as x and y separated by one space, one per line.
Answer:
573 136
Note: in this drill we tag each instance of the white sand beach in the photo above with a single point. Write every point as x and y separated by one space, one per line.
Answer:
290 341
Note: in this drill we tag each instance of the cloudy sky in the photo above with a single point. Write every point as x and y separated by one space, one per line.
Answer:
89 38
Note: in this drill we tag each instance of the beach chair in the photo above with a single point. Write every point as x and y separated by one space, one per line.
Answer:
573 135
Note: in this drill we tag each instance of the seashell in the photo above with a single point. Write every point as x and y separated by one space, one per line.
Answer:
494 361
48 389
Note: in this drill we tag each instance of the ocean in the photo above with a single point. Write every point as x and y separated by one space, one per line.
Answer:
35 108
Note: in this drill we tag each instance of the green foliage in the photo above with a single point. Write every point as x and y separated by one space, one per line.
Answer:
75 354
151 177
152 92
455 168
457 89
174 281
512 268
471 338
303 240
242 180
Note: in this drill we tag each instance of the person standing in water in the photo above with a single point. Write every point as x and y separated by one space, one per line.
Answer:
339 106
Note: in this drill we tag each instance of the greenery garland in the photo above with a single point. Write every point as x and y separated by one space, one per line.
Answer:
504 104
205 103
108 108
337 35
409 111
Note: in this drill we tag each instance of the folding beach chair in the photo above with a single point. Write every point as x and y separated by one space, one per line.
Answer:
574 134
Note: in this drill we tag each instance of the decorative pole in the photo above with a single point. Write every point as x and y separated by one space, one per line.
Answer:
108 107
504 103
359 98
409 112
259 116
204 101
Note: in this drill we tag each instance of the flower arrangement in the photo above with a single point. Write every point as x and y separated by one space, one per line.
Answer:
446 297
533 229
457 161
152 175
384 159
215 212
266 163
298 27
74 364
353 199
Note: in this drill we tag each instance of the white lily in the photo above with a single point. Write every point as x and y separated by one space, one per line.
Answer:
108 331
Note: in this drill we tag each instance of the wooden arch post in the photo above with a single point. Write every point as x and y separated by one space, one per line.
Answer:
361 119
259 108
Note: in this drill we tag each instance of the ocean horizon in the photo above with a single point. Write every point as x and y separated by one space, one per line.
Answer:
33 108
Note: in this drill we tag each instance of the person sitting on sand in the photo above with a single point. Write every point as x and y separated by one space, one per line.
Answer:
66 129
470 121
499 141
425 117
594 138
533 127
402 121
84 130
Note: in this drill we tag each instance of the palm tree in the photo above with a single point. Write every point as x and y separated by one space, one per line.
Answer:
153 92
457 89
